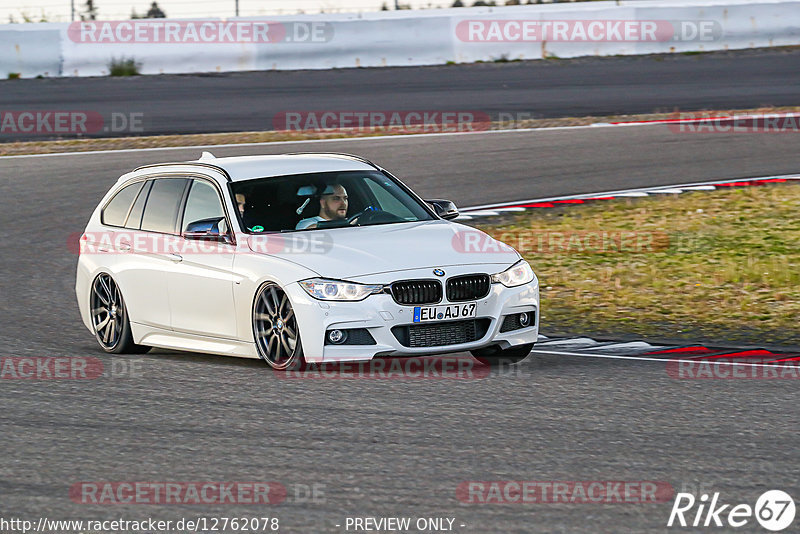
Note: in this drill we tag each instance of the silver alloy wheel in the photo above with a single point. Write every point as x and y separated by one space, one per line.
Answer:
108 311
275 327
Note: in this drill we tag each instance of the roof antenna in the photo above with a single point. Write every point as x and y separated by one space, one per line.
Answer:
207 155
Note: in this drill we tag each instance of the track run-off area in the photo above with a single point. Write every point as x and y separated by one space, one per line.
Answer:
257 101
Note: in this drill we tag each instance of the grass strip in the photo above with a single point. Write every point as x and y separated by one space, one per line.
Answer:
705 266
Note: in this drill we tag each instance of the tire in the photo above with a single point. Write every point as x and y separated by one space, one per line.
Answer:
109 317
496 357
275 329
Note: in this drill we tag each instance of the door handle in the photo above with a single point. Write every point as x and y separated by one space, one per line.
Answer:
175 257
124 246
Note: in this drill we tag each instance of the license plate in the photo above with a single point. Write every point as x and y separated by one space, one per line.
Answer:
424 314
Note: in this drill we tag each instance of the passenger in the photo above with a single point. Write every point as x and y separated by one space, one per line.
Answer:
332 206
240 203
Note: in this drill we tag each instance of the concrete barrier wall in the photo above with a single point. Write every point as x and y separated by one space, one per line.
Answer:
403 38
30 49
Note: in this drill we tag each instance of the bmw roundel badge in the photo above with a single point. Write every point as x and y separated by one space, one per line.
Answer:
438 272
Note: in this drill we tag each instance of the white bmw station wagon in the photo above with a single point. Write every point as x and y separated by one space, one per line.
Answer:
296 258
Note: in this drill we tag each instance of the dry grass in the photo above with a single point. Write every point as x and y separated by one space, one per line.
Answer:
721 265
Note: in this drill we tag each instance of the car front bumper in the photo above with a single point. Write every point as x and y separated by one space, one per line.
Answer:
379 314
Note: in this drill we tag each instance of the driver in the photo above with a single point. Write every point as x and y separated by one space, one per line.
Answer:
332 206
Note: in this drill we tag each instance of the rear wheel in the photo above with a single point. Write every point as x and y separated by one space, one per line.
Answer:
496 357
110 322
275 329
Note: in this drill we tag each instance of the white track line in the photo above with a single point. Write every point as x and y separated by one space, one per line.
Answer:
669 191
716 118
700 188
485 213
637 192
645 359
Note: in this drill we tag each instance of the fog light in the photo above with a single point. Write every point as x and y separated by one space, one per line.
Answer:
336 336
524 319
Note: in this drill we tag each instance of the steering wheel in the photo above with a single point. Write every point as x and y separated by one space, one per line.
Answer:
372 215
353 218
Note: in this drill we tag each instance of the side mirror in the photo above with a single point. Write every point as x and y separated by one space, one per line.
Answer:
444 208
208 229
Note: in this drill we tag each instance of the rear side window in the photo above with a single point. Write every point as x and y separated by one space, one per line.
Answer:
135 217
116 211
203 203
161 211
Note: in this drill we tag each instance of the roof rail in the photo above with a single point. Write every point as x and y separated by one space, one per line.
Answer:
207 156
345 154
217 168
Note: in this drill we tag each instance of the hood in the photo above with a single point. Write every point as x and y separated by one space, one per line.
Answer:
348 253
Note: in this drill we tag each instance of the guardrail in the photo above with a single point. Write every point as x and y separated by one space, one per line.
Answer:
399 38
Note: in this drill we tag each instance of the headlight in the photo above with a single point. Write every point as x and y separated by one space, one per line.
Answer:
518 274
322 289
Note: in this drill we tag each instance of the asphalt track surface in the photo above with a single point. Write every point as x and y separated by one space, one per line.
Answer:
381 447
248 101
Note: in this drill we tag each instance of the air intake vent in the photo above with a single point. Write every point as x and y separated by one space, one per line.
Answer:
511 322
469 287
417 292
439 334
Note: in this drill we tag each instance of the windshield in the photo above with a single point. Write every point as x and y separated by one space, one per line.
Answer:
324 200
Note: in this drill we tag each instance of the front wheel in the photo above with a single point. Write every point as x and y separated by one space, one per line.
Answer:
275 329
110 321
497 357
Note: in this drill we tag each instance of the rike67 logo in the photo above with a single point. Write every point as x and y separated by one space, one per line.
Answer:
774 511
